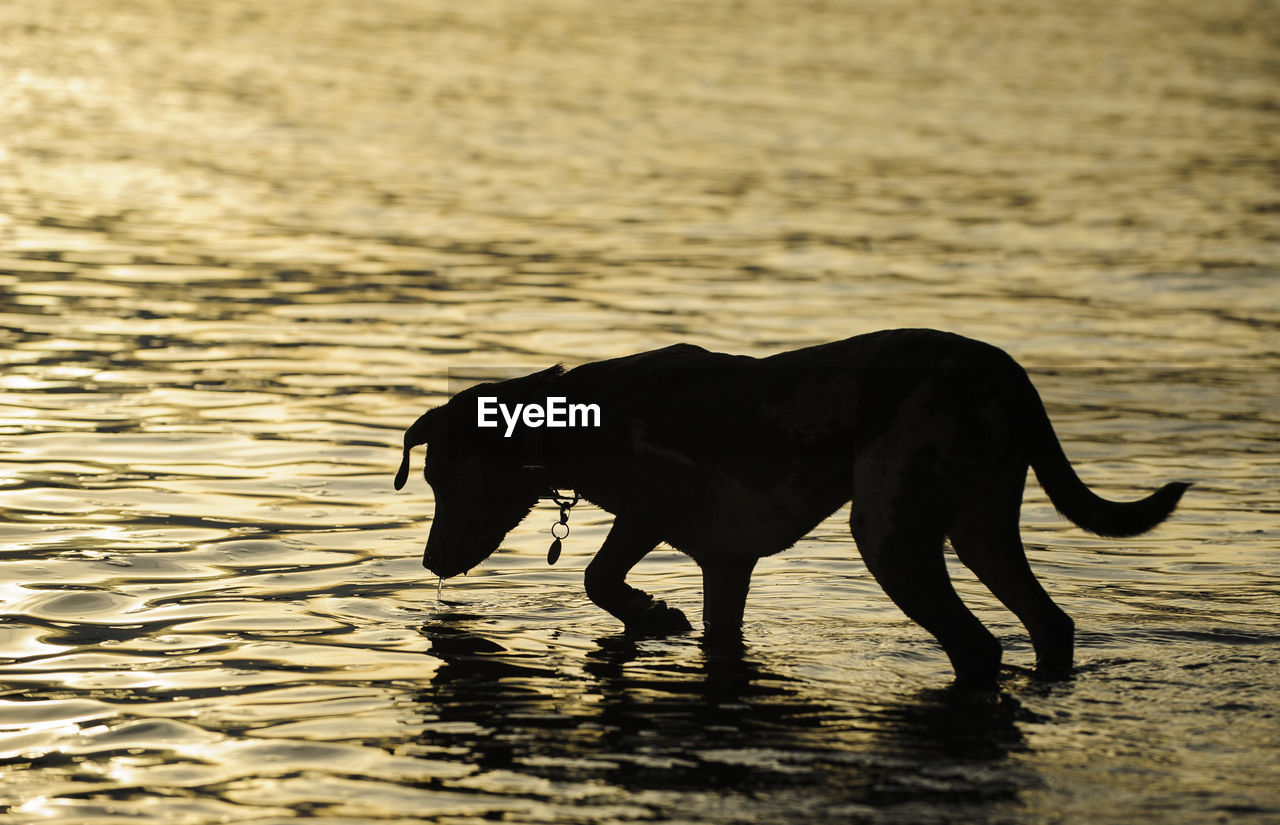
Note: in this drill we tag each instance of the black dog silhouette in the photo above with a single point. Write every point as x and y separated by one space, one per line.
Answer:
730 458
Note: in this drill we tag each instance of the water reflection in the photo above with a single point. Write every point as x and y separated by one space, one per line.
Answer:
649 718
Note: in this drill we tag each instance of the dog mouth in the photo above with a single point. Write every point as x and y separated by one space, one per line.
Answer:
442 569
446 566
447 557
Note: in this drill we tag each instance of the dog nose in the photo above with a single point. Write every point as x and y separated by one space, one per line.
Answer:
435 564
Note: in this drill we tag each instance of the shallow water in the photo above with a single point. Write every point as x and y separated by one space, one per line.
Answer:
245 244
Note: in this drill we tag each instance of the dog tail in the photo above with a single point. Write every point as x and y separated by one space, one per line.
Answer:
1070 495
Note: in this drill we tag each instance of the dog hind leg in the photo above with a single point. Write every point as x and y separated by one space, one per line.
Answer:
905 557
606 584
986 539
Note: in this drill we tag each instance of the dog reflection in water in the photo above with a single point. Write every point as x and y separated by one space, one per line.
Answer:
730 458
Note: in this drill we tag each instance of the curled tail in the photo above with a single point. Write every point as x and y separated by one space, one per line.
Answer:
1069 495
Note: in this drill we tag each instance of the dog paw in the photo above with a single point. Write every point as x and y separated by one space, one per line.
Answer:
719 635
657 619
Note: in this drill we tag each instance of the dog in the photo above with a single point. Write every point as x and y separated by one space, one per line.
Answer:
730 458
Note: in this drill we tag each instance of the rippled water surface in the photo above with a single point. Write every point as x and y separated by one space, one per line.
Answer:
242 245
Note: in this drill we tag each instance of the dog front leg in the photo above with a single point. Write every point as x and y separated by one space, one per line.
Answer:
724 596
606 583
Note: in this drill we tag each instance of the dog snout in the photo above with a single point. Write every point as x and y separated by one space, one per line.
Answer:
441 564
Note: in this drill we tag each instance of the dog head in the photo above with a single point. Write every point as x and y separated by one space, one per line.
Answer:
480 478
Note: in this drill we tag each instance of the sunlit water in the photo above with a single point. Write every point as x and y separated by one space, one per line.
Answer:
245 244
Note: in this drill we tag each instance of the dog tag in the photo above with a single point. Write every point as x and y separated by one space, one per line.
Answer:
553 553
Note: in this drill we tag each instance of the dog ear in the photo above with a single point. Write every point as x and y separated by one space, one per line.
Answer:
432 424
419 432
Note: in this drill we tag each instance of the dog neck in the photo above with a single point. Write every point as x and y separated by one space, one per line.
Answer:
550 491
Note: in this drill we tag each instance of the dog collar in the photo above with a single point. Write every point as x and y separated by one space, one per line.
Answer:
565 504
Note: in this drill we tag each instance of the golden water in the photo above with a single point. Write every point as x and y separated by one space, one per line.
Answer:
242 245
